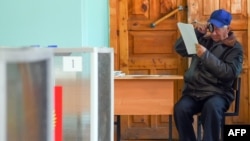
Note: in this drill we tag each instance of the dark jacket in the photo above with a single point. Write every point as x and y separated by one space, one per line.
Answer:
214 72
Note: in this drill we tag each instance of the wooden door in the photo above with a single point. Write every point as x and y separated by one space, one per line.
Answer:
200 11
142 49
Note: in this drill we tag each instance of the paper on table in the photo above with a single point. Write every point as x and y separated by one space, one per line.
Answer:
189 37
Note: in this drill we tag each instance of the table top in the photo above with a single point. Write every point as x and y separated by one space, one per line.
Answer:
170 77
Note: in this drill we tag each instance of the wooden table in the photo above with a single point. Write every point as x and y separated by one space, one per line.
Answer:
144 95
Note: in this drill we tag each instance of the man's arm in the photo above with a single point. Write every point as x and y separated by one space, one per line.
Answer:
226 69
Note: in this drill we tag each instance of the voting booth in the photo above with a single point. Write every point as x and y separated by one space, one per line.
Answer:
85 75
26 94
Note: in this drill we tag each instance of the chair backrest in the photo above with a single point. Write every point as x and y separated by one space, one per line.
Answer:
236 88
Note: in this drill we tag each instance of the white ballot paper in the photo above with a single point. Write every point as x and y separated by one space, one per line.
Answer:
189 37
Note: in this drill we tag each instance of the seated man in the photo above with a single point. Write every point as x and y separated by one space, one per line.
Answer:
208 81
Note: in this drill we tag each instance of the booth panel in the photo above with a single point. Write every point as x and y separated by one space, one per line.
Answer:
86 77
26 94
104 98
76 94
27 101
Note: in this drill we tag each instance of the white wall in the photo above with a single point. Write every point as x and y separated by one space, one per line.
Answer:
67 23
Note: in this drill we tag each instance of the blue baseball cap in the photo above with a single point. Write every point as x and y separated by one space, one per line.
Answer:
220 18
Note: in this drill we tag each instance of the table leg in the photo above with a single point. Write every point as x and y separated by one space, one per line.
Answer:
118 127
170 128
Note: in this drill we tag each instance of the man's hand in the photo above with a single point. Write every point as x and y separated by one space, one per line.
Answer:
202 28
200 50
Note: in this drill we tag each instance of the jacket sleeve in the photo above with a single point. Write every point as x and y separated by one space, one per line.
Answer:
180 47
225 69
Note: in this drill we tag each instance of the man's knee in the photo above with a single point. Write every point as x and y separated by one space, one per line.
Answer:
181 107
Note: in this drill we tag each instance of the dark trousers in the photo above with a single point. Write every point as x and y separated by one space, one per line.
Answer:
212 110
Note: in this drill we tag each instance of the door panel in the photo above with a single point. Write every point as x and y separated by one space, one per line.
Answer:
200 10
141 127
151 42
141 13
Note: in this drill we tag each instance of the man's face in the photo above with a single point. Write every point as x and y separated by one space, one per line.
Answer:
220 34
